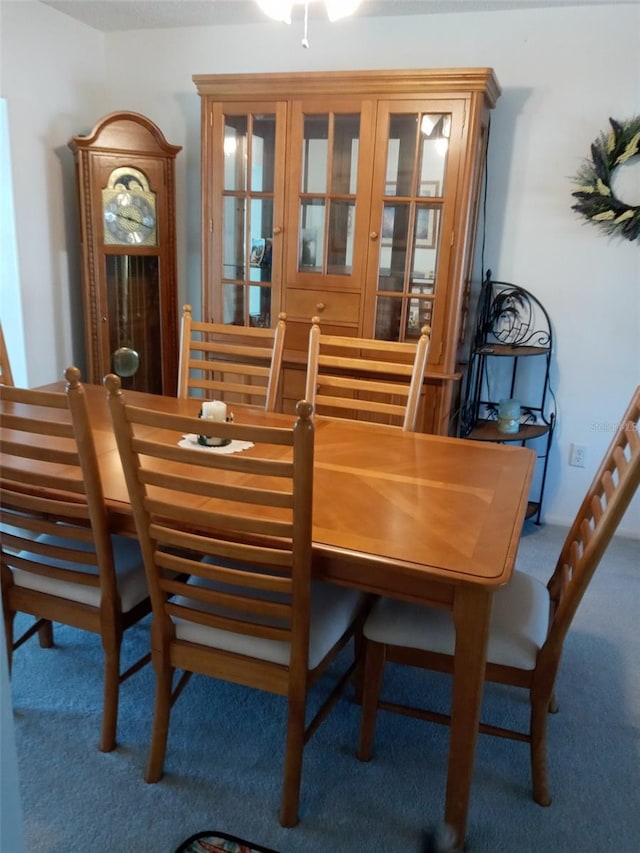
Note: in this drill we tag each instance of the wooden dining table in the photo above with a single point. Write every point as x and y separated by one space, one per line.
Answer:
425 518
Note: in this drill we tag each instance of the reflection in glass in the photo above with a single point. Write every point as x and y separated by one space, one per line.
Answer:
315 154
401 154
260 307
344 167
233 304
419 315
233 249
235 153
341 225
312 218
263 140
436 129
388 314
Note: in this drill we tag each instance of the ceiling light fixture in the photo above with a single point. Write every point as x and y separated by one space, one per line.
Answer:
280 10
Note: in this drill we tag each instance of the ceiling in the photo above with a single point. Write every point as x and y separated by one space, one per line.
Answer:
114 15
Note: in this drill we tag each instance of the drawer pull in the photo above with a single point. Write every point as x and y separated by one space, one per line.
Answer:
320 307
277 230
373 235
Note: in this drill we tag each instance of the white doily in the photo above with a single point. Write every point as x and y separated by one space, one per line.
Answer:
191 441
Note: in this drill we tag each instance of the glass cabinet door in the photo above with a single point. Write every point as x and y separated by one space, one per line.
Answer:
415 170
328 201
247 216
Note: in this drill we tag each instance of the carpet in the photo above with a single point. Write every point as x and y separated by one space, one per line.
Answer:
220 842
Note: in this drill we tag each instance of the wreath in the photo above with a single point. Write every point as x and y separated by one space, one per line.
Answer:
596 200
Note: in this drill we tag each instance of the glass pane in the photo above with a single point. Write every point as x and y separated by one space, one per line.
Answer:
263 142
427 229
233 226
393 246
401 155
315 154
235 152
435 131
310 248
346 131
133 300
233 304
388 313
260 259
260 307
341 225
261 217
419 315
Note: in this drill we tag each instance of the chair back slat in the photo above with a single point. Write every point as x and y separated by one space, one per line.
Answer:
50 487
604 504
366 379
245 545
235 364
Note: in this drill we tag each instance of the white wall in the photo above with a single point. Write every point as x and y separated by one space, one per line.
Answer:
563 73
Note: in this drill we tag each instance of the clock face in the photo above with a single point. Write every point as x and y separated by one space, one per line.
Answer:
129 218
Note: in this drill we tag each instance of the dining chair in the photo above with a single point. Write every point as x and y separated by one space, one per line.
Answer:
6 377
239 364
366 379
246 609
529 620
59 561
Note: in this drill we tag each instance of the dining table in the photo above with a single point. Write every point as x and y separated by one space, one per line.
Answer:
429 519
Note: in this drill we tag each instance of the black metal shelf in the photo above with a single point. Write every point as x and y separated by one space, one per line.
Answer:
511 324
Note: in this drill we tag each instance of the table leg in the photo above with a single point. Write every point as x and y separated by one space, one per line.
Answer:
472 614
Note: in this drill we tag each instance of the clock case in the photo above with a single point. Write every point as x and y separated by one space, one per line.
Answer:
129 288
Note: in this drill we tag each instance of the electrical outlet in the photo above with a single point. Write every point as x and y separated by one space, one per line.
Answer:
578 455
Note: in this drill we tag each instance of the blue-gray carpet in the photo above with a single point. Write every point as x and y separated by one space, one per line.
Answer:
223 766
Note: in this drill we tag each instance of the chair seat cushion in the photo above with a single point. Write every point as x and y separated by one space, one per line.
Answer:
127 557
333 609
519 622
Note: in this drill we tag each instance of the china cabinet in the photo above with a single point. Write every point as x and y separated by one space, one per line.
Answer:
351 196
507 392
126 192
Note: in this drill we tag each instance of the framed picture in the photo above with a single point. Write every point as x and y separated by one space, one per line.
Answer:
258 247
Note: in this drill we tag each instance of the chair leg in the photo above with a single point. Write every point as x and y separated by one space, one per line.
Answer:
293 762
8 616
374 658
539 712
161 715
45 634
111 646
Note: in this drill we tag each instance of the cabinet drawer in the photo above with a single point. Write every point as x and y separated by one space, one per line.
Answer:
329 305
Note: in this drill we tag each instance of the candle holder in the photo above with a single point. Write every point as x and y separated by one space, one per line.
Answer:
508 416
215 441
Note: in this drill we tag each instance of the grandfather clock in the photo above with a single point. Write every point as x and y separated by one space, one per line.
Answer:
126 187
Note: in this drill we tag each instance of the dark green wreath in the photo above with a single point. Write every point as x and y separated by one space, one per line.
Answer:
595 198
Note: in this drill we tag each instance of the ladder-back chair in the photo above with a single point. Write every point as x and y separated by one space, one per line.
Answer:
529 620
249 612
366 379
238 364
59 561
6 376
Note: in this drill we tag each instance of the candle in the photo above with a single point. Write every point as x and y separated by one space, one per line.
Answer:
508 416
214 410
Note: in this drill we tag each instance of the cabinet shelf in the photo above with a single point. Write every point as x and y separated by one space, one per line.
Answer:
485 430
512 329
